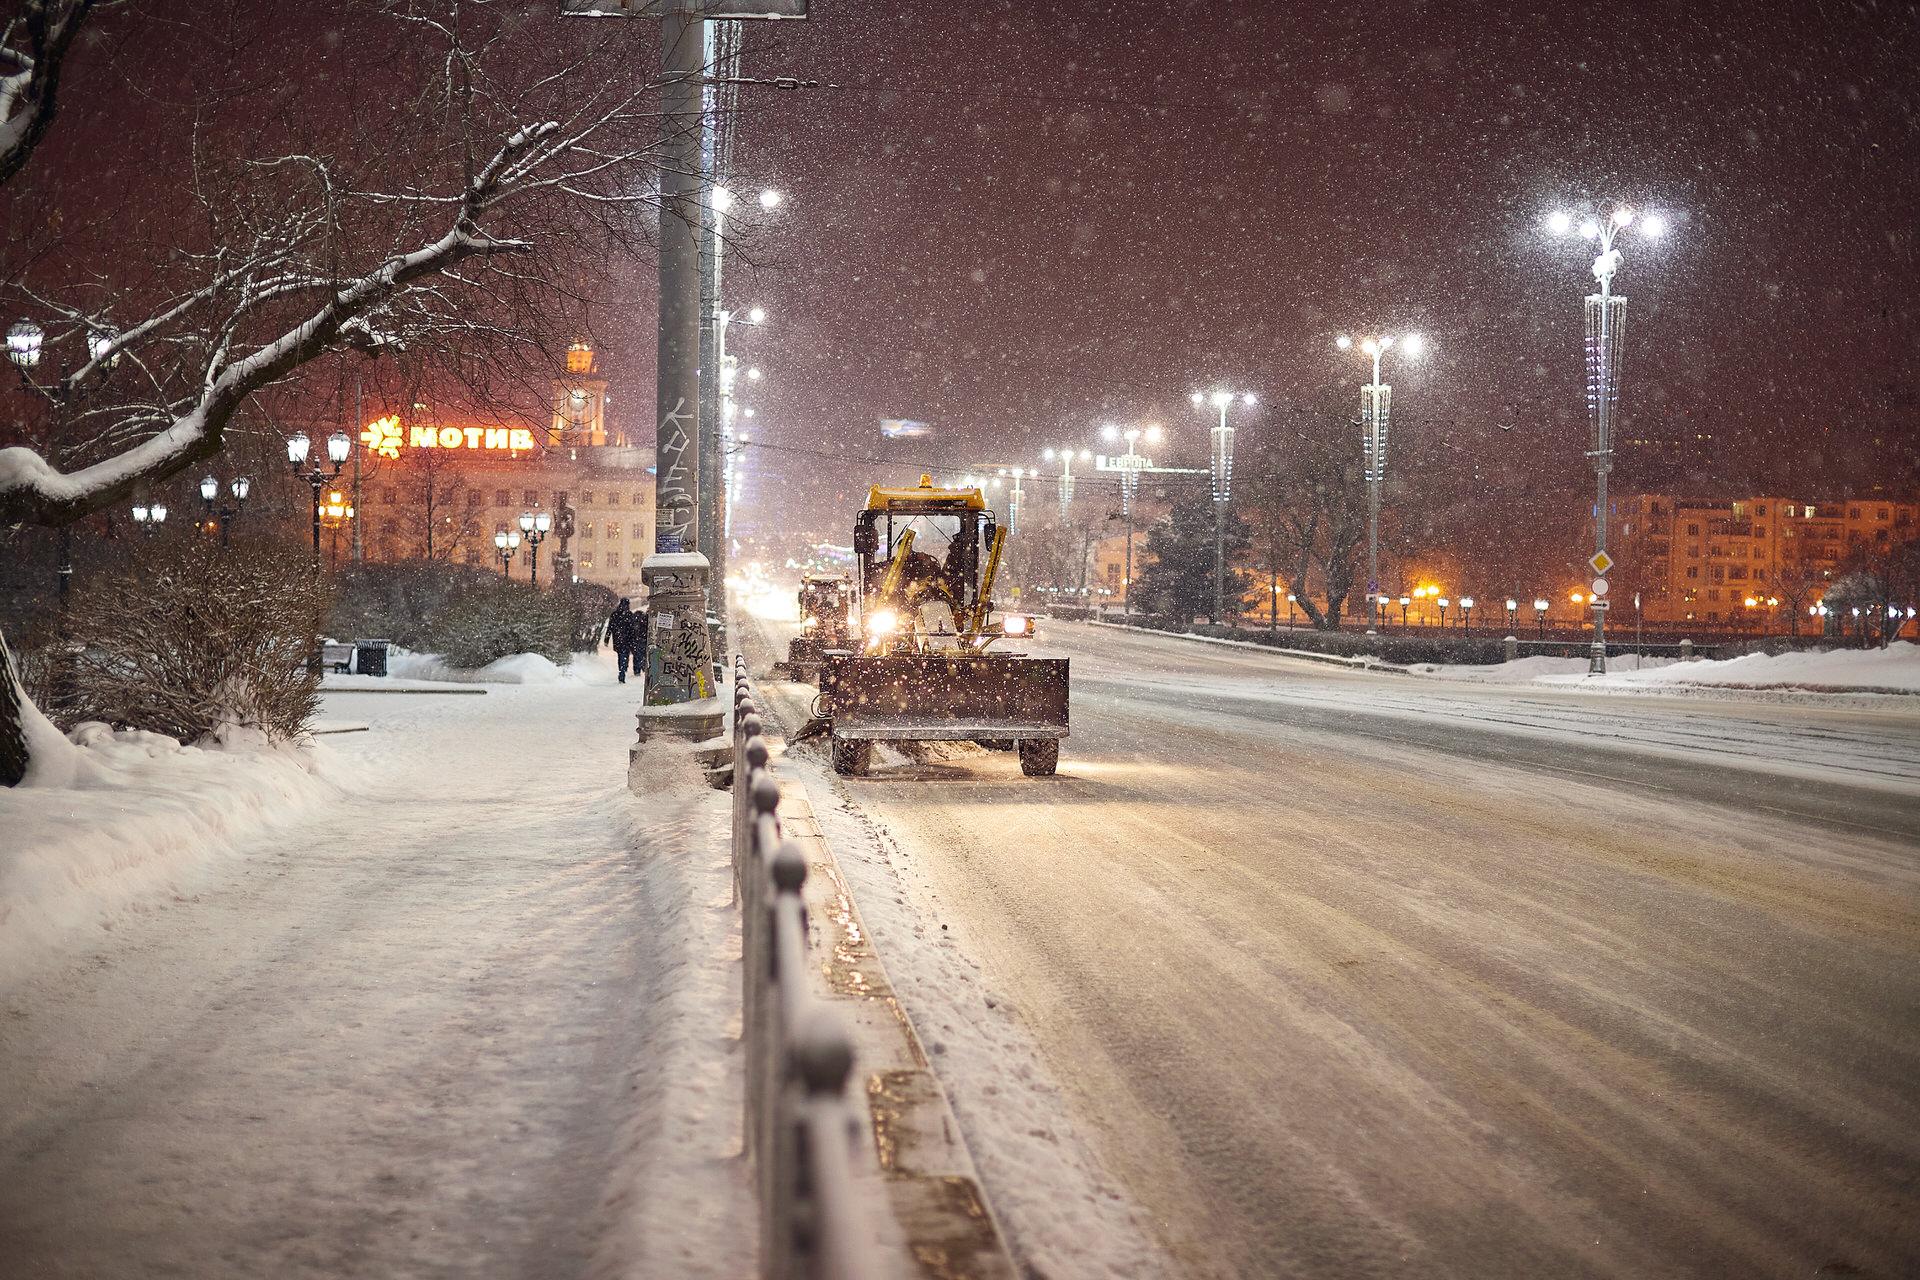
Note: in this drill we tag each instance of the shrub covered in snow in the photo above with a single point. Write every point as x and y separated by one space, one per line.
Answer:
400 602
492 618
194 640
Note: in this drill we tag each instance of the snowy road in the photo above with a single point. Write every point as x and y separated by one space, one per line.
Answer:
1361 975
426 1035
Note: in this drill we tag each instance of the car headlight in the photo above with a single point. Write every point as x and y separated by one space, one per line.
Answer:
809 624
1015 625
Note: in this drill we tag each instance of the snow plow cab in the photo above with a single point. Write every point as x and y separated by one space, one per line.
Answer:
825 623
920 665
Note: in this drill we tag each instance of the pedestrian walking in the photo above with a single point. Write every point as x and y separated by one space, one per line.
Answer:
627 633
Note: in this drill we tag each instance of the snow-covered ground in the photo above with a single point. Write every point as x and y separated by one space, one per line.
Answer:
445 997
1895 669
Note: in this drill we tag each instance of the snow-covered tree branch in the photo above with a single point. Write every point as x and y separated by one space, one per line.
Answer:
33 52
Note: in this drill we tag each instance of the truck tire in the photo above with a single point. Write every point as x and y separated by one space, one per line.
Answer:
1039 757
851 756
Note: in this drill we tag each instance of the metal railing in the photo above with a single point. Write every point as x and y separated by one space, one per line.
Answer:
803 1131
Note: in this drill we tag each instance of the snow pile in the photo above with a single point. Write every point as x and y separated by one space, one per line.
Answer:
1895 669
113 820
520 668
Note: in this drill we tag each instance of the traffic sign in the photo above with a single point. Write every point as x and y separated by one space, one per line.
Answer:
1601 562
1599 586
1601 604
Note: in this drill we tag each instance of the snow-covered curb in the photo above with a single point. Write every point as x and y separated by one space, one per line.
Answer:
1062 1214
1894 671
133 818
1364 661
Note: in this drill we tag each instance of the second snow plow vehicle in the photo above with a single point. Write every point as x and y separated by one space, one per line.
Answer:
920 669
825 623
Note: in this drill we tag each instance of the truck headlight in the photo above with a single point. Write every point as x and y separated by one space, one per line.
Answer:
809 624
1014 625
882 623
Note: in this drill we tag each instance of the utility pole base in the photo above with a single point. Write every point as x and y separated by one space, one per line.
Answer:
682 700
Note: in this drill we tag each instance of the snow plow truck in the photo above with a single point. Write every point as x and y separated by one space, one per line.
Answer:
928 659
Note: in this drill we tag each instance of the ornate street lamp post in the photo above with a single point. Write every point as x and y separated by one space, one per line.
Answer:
1376 408
534 524
148 517
506 544
1222 476
210 492
1606 321
298 447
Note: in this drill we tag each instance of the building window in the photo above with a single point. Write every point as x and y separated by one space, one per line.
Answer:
532 497
388 496
586 497
586 562
613 499
1882 514
1713 593
1853 513
475 499
640 500
502 498
1760 510
1693 531
613 528
1761 532
1693 571
637 559
586 530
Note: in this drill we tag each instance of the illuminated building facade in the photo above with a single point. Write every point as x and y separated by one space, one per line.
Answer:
1701 560
440 490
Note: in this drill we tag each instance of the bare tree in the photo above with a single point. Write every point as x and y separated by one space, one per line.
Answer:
1308 508
497 166
33 53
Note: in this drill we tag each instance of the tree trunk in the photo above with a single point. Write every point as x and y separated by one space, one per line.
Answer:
14 756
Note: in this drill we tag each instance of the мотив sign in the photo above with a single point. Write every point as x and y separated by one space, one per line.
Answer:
387 436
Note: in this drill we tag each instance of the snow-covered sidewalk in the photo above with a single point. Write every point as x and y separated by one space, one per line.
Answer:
458 1003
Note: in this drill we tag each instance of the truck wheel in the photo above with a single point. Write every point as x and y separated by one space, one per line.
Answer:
1039 757
851 756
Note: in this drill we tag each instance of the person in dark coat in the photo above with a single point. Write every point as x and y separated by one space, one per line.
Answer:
627 633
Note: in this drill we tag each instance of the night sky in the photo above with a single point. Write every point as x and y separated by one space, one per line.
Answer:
1020 221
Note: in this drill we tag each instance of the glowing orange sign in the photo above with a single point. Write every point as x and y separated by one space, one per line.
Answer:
386 437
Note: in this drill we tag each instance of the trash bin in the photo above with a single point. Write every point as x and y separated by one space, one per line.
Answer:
370 657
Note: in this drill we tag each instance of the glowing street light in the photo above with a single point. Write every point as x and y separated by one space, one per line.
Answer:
339 445
1606 321
1376 407
1130 464
1222 475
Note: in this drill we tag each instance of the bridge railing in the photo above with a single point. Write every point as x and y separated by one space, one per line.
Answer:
803 1129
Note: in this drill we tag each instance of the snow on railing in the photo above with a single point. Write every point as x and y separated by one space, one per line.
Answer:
803 1131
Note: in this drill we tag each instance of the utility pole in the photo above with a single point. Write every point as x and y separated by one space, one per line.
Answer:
680 651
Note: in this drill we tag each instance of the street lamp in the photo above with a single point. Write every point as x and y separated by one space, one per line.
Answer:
1376 408
1606 321
506 543
1444 602
1064 456
1222 475
535 526
1130 464
148 517
298 447
1513 607
1405 600
1466 614
1540 615
23 343
210 493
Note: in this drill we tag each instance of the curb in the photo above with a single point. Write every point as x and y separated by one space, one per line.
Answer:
934 1194
1363 662
946 1227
